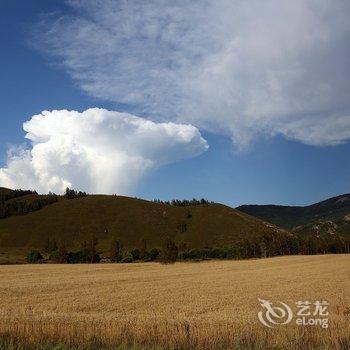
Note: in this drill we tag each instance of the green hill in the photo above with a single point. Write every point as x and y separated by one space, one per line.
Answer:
327 217
73 220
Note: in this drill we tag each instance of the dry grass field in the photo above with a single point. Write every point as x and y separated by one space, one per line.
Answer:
208 305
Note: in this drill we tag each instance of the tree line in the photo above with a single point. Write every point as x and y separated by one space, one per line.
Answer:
58 253
184 202
267 245
22 207
10 194
71 194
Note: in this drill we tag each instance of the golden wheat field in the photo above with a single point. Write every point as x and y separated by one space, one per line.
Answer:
207 305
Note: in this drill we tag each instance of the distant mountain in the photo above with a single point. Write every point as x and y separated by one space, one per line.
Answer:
327 217
73 220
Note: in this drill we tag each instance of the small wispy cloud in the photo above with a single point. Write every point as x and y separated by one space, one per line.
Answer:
98 151
239 68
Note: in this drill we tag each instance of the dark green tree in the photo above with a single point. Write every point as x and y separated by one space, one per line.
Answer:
63 253
135 254
115 253
143 249
34 256
169 252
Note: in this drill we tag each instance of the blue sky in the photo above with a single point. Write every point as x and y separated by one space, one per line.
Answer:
292 163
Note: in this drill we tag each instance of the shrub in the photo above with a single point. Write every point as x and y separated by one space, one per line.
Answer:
135 254
232 253
54 256
146 256
127 258
77 257
153 254
82 256
204 253
218 253
34 256
196 254
207 253
61 256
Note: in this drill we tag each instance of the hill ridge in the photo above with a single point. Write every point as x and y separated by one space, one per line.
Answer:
313 218
131 219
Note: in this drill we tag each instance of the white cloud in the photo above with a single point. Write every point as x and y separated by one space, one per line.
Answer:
98 151
241 68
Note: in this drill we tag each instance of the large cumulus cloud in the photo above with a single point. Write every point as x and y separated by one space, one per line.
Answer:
97 150
236 67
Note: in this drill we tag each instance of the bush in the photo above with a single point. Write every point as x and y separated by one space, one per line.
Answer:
195 254
34 256
146 256
55 256
135 253
127 258
82 256
61 256
153 254
206 253
78 257
232 253
218 253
